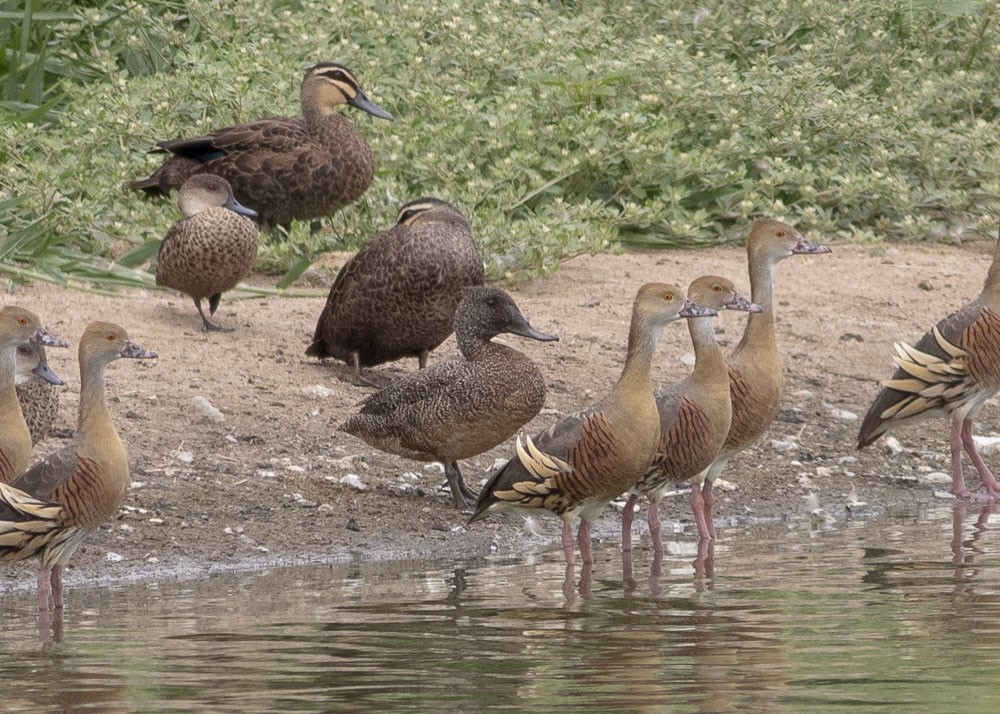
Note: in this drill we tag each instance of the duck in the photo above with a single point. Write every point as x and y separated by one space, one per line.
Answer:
48 510
36 383
756 381
586 459
397 296
950 372
18 326
459 408
210 248
285 168
695 414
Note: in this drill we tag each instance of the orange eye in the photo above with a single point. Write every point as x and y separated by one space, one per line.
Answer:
717 288
111 337
668 296
22 321
780 234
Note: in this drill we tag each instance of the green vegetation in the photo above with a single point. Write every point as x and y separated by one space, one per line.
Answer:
560 128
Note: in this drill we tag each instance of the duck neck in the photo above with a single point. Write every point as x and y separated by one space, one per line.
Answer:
643 338
707 353
8 394
95 417
473 346
759 333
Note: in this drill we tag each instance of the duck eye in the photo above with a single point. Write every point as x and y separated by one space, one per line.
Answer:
111 337
668 296
717 288
780 234
22 321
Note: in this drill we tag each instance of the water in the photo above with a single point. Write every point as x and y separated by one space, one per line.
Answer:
892 614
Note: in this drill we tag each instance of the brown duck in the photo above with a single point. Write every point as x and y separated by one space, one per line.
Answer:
397 296
36 390
17 327
588 458
460 408
49 509
210 248
756 381
695 414
951 372
285 168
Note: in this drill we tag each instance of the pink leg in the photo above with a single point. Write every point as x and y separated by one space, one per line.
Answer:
627 515
698 510
42 584
583 538
567 543
957 480
989 480
706 496
655 529
628 578
57 597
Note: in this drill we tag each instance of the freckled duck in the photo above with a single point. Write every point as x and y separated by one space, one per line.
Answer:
50 508
588 458
397 296
285 168
755 377
695 414
459 408
210 248
36 390
17 327
951 372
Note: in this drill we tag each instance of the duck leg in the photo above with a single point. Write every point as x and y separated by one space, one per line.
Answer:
958 486
628 514
42 585
207 326
567 544
698 511
461 495
583 540
706 496
655 529
989 480
57 587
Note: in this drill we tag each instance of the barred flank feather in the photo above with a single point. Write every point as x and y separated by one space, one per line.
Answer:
27 525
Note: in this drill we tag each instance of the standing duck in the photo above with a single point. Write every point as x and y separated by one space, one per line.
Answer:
36 390
285 168
695 415
17 327
397 296
460 408
951 372
756 381
588 458
50 508
210 248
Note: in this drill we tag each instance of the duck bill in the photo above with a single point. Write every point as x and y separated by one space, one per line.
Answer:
524 329
236 207
362 102
47 339
804 247
693 309
134 351
741 303
44 372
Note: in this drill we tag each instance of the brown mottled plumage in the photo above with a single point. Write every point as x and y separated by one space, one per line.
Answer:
755 377
588 458
285 168
950 372
50 508
396 297
695 414
461 407
210 248
17 327
36 390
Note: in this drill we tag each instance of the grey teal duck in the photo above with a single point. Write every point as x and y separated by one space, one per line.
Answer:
397 296
459 408
36 390
586 459
285 168
17 327
210 248
695 414
49 509
950 372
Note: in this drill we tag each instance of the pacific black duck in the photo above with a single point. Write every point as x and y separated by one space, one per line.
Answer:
285 168
588 458
210 248
396 297
49 509
460 407
36 390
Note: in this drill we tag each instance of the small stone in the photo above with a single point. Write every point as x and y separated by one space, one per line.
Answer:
352 525
935 477
824 471
156 521
318 390
266 474
843 414
925 285
944 494
784 444
987 444
435 468
725 485
204 409
851 337
353 481
136 485
345 463
185 457
802 394
892 445
688 360
325 508
113 557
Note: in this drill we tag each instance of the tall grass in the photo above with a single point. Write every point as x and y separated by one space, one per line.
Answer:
560 128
